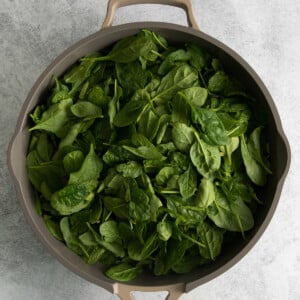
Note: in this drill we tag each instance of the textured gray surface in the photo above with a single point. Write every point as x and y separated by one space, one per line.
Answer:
265 33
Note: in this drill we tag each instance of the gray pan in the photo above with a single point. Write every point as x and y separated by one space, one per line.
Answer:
280 151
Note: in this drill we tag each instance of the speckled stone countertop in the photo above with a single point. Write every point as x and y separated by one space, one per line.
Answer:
266 33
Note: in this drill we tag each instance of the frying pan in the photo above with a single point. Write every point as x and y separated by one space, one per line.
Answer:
280 157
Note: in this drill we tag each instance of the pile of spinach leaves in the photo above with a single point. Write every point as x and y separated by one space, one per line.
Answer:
147 155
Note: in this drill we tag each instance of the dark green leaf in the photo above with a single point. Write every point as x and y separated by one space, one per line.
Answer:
122 272
233 216
183 136
110 232
177 79
129 113
73 197
85 109
254 170
205 158
212 238
188 183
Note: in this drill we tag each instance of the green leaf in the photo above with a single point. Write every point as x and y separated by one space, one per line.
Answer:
219 82
53 227
122 272
88 239
113 104
116 154
145 152
69 237
211 125
129 113
50 172
73 197
148 124
176 251
184 212
183 136
195 95
164 230
139 206
200 58
130 49
255 171
205 158
180 110
255 149
140 252
90 169
171 59
85 109
131 76
79 74
73 161
117 205
178 78
164 175
97 97
233 216
130 169
212 238
110 232
145 148
206 194
187 264
188 183
55 118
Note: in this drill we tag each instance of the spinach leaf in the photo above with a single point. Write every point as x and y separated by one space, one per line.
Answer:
205 158
164 230
178 78
148 124
233 216
131 77
122 272
206 194
73 160
85 109
53 228
184 212
170 60
70 238
89 170
110 232
55 118
113 104
129 113
200 58
255 149
254 170
139 206
183 136
145 148
196 95
131 169
73 197
212 238
188 182
211 125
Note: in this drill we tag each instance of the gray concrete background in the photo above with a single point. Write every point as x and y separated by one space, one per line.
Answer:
265 32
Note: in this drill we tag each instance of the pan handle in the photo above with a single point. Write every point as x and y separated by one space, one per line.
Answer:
113 6
124 291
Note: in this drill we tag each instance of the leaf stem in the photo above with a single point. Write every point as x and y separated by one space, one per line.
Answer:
192 240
